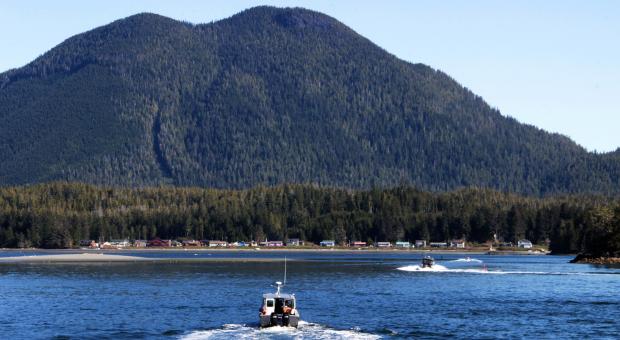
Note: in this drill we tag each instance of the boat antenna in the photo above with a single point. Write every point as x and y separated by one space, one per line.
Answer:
279 284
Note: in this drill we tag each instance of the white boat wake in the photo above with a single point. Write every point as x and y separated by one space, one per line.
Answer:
305 330
467 259
416 268
441 269
437 268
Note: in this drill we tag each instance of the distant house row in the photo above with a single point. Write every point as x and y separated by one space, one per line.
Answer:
399 244
293 242
525 244
157 242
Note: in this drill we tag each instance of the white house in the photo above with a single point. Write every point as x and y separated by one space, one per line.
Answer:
119 243
275 244
457 243
420 243
383 245
328 243
525 244
217 243
403 244
294 242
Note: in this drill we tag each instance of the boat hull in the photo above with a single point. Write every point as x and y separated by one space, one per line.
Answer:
274 319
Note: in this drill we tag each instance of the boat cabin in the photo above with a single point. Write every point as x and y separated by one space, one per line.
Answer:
278 309
279 304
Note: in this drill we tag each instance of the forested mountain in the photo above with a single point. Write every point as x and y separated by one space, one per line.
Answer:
267 96
58 215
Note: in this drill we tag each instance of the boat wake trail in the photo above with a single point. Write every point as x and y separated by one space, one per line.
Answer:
467 260
437 268
441 269
305 330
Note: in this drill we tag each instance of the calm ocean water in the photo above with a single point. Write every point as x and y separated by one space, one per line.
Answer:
340 295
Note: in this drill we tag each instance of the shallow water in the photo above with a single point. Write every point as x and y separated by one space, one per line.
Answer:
340 295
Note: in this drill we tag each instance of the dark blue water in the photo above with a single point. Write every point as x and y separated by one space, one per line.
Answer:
340 295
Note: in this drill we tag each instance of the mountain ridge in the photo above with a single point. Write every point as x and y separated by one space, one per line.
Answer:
267 96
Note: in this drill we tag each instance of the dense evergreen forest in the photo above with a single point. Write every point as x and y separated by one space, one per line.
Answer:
271 96
58 215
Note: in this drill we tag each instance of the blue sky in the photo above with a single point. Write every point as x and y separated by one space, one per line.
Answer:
552 64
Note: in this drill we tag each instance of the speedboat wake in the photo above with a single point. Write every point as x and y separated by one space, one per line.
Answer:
441 269
305 330
437 268
467 259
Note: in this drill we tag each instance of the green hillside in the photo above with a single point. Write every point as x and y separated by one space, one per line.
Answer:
267 96
59 215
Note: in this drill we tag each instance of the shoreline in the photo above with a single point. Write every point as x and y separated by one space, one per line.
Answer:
108 258
475 251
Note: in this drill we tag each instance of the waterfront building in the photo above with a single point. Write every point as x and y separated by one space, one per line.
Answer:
191 243
457 244
328 243
403 244
217 243
295 242
140 243
157 242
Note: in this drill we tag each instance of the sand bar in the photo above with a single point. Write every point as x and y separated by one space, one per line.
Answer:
106 258
84 257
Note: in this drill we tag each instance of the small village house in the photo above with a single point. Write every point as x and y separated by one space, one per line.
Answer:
328 243
275 244
525 244
457 244
383 245
420 243
403 244
140 243
294 242
120 243
359 244
217 243
191 243
157 242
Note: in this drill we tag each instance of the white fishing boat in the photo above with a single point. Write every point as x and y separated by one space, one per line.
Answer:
279 309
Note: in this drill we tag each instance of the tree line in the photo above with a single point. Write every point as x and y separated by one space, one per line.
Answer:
59 215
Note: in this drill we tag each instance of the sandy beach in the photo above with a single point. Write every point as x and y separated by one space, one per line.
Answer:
109 258
84 257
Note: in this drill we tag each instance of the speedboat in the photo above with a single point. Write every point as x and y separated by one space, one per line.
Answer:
428 262
279 309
